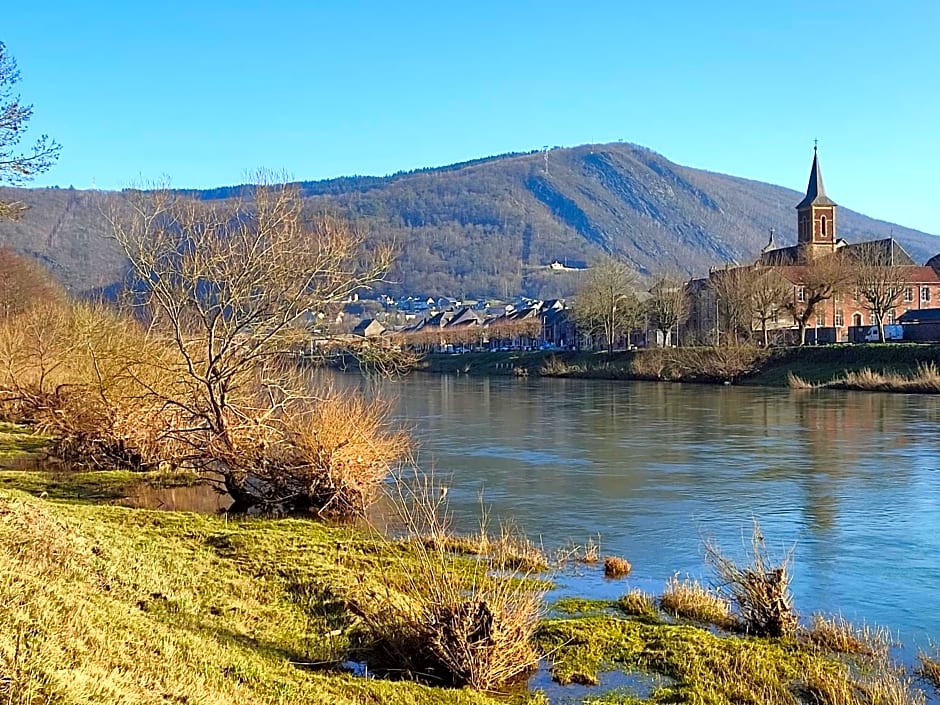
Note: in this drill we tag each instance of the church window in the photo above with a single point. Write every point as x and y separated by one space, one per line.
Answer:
822 226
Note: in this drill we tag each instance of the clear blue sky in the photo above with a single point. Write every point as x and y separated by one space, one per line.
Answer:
203 92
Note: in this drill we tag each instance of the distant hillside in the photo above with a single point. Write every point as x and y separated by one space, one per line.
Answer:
489 227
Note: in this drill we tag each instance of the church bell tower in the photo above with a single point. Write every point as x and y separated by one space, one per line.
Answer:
816 214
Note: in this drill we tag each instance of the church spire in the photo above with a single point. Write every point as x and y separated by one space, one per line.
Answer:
815 190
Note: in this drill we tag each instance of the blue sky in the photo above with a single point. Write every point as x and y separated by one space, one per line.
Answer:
204 92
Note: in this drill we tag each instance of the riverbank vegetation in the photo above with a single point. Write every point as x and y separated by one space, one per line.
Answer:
815 365
115 605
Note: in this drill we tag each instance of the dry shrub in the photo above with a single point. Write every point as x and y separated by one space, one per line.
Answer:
713 364
689 599
616 567
554 366
327 456
590 553
444 620
838 635
759 590
638 603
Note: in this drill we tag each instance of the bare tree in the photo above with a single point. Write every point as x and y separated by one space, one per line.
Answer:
879 281
771 291
16 168
231 285
734 290
24 282
606 304
668 306
819 280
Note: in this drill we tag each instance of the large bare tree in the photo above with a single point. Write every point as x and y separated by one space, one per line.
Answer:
668 306
16 167
879 280
818 280
606 305
231 284
749 297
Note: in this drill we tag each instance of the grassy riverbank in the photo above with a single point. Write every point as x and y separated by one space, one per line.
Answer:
814 364
107 604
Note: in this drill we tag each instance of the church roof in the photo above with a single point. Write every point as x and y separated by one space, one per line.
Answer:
815 190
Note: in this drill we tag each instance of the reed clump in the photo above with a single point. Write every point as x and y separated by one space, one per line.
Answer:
638 603
760 590
446 621
925 380
689 599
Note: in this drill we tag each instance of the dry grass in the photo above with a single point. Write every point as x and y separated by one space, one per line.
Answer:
838 635
827 684
926 380
760 590
638 603
689 599
928 667
450 623
616 567
554 366
795 382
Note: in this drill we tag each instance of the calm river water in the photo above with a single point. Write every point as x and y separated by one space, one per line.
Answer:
849 480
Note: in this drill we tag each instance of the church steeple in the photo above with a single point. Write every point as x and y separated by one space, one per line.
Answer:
816 213
815 189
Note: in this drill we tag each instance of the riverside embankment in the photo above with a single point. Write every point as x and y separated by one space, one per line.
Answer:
736 365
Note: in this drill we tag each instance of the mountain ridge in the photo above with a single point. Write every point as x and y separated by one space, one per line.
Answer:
489 226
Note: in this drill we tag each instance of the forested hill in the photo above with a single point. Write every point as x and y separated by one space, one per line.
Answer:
490 226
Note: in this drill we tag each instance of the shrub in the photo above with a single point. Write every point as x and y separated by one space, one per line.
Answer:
760 590
446 621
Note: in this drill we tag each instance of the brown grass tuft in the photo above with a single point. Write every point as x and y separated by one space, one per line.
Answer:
794 382
616 567
838 635
928 668
689 599
638 603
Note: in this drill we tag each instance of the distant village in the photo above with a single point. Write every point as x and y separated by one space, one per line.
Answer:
821 290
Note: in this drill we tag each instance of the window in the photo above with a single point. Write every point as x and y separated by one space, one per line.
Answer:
821 320
822 226
839 320
908 294
774 317
891 318
872 321
925 293
800 294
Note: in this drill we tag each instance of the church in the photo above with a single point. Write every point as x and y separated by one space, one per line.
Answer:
845 315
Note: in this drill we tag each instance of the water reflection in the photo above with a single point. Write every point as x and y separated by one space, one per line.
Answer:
849 478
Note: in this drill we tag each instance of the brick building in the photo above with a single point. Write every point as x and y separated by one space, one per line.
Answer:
845 315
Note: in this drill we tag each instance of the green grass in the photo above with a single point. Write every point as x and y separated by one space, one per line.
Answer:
15 440
106 604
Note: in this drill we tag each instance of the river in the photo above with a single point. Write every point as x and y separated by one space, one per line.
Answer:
848 481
